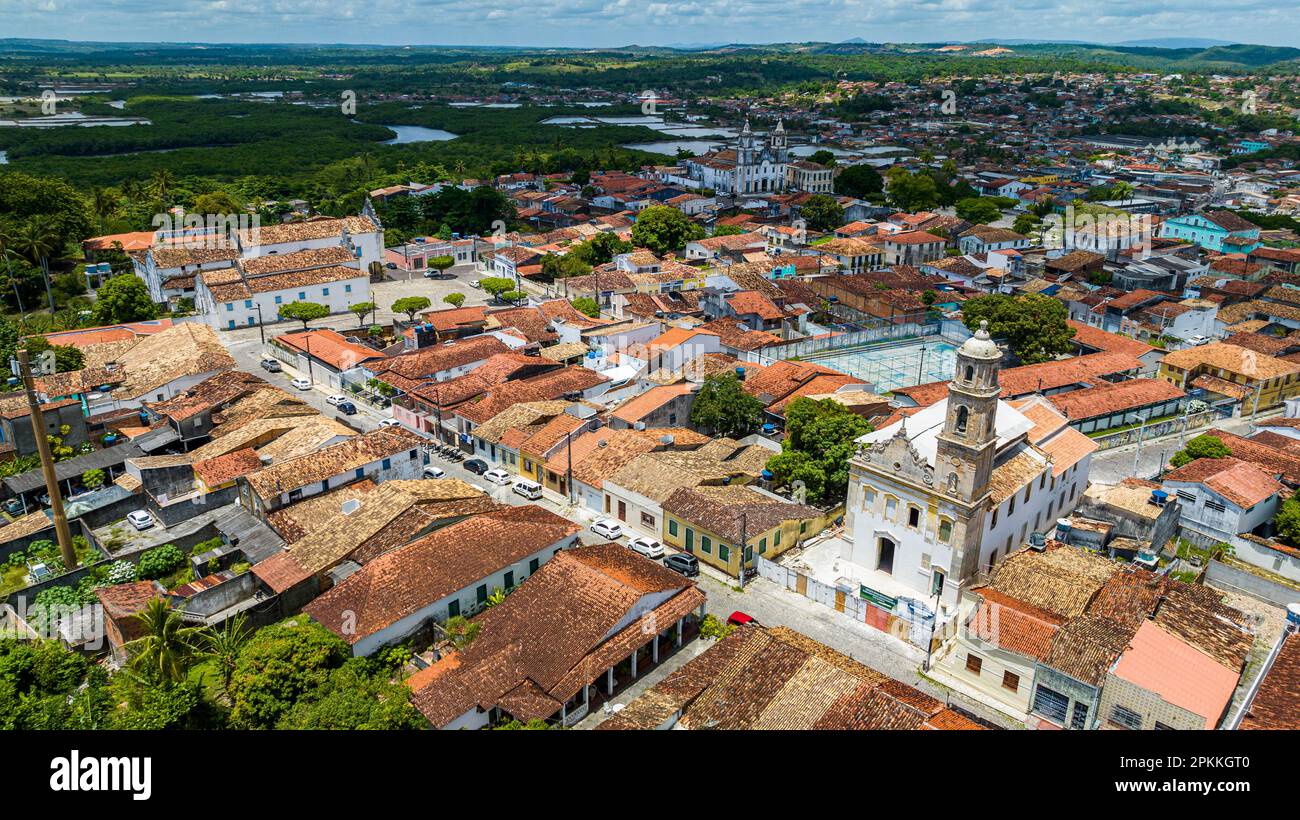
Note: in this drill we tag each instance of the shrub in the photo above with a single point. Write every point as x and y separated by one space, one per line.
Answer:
159 561
121 572
711 627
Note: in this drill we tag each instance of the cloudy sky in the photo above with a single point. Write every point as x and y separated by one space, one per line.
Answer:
646 22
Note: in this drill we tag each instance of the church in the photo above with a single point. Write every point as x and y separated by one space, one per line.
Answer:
940 497
752 167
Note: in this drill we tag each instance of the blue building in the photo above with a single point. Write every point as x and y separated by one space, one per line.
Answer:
1221 231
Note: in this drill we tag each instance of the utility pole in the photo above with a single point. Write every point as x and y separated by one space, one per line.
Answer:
47 465
744 522
1138 451
261 328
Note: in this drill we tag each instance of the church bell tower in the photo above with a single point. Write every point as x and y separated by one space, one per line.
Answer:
968 443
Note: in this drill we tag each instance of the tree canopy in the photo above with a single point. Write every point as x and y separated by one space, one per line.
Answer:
723 407
411 305
305 312
663 229
1203 446
820 438
822 213
1033 325
124 298
859 181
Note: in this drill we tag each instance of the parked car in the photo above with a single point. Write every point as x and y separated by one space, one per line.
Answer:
347 408
475 284
271 366
301 383
140 519
607 528
336 399
1197 341
477 466
498 476
739 618
432 471
648 547
528 489
481 489
683 563
390 423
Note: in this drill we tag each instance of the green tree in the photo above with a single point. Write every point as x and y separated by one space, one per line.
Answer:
1033 325
1203 446
362 310
282 665
600 249
727 230
496 285
38 239
455 299
823 157
461 631
222 647
724 408
980 210
587 306
441 263
93 478
562 266
911 192
167 647
305 312
124 298
355 697
411 305
663 229
822 213
1287 521
820 438
859 181
216 203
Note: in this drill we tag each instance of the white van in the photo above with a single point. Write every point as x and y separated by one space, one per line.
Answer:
528 489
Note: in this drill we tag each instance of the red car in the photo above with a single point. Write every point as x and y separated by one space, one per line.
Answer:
739 618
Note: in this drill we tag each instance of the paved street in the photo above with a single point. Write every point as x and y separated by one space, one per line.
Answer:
1113 466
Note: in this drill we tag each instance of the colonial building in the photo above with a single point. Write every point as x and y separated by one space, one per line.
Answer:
945 493
751 167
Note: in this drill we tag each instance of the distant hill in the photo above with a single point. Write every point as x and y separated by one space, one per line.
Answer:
1177 42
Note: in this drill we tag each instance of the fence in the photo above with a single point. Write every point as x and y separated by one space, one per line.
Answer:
1159 429
904 623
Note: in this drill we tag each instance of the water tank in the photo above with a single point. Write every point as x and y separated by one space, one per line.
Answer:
1293 615
1037 540
1159 497
769 428
1063 526
740 373
767 475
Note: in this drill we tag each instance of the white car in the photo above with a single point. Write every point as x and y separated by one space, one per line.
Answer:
336 400
497 477
432 471
648 547
390 423
607 528
481 489
301 383
140 519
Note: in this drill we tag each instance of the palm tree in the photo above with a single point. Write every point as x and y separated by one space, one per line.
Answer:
1122 191
36 240
132 189
6 253
163 181
167 647
222 646
103 203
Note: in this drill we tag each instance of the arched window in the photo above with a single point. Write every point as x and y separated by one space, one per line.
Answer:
945 530
962 414
970 373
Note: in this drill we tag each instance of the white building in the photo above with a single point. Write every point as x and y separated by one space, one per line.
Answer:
251 292
938 497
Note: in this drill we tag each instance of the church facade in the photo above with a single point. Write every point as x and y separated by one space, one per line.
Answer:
753 167
939 497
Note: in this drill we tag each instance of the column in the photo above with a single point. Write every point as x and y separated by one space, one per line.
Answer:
609 681
634 654
654 648
677 637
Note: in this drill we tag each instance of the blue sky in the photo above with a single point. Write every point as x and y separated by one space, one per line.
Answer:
646 22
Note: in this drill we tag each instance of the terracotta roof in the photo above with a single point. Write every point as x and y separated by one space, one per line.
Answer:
733 511
640 406
1108 398
576 615
333 461
1233 359
400 583
1269 459
330 347
1276 704
1106 342
774 678
1178 672
1241 482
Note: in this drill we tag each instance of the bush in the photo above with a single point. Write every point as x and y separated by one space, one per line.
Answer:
121 572
711 627
159 561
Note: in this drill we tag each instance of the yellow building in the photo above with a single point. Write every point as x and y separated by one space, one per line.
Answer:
710 522
1257 380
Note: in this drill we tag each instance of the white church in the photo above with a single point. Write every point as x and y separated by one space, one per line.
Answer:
940 497
751 167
